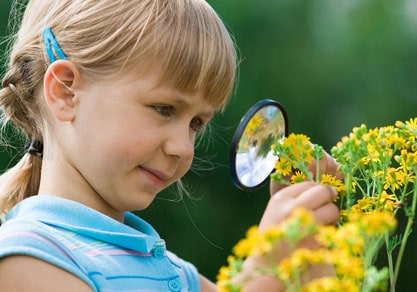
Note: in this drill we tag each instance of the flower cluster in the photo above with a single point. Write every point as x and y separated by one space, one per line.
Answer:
379 169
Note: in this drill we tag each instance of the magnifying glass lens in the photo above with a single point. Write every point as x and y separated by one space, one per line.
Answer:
251 154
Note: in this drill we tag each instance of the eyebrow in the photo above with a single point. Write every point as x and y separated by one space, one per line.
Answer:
181 101
208 115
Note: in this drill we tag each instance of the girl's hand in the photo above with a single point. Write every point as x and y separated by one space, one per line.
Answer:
313 196
316 197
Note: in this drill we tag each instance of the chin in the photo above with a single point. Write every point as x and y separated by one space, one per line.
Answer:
141 208
140 205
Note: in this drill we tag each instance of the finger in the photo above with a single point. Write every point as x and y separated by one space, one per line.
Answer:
333 168
294 190
282 203
316 196
327 165
274 187
330 166
327 214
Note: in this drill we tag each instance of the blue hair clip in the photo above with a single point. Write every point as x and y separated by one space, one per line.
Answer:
52 47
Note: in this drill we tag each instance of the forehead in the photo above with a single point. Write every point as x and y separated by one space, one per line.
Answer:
152 80
153 90
184 78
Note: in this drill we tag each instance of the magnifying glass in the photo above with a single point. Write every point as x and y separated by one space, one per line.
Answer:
251 155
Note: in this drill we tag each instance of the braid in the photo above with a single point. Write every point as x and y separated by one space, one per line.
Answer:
20 107
20 182
17 97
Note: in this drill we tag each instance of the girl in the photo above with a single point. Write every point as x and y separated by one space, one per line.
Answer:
110 96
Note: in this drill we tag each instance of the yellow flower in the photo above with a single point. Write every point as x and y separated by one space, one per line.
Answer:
374 223
381 202
373 154
406 159
285 270
249 244
397 140
395 178
391 179
297 177
347 265
253 125
273 233
387 202
302 215
326 235
331 284
332 181
412 124
300 260
225 275
371 135
379 171
348 237
283 166
300 148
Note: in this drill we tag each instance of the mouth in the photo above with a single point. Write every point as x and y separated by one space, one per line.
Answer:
156 178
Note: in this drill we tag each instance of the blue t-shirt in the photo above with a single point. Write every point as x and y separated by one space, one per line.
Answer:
104 253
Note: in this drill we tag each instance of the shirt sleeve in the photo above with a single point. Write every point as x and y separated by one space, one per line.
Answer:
29 238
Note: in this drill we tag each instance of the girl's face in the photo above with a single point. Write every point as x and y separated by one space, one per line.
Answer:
130 140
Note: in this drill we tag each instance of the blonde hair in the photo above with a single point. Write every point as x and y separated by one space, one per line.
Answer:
185 39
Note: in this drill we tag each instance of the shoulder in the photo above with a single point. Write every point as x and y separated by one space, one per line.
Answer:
36 247
25 274
206 285
30 237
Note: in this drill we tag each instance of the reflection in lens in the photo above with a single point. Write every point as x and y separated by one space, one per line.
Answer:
254 155
252 170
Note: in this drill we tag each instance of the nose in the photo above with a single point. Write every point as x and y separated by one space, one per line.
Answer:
180 143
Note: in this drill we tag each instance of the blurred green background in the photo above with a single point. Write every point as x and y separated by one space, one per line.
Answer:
333 64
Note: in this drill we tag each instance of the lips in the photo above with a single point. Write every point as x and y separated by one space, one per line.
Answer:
155 177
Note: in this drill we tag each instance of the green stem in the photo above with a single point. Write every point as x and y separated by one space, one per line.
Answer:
317 167
389 255
298 165
401 253
404 241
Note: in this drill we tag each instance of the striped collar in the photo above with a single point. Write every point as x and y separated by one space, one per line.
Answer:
135 233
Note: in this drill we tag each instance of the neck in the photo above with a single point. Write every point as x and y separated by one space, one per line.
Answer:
60 179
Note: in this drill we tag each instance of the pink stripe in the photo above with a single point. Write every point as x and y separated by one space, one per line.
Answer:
37 237
26 234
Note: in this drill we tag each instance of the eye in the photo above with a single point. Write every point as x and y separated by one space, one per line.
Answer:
197 124
164 110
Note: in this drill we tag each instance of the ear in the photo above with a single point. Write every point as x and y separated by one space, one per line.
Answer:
60 79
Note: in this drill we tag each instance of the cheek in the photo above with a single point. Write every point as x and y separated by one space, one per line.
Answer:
184 168
112 148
